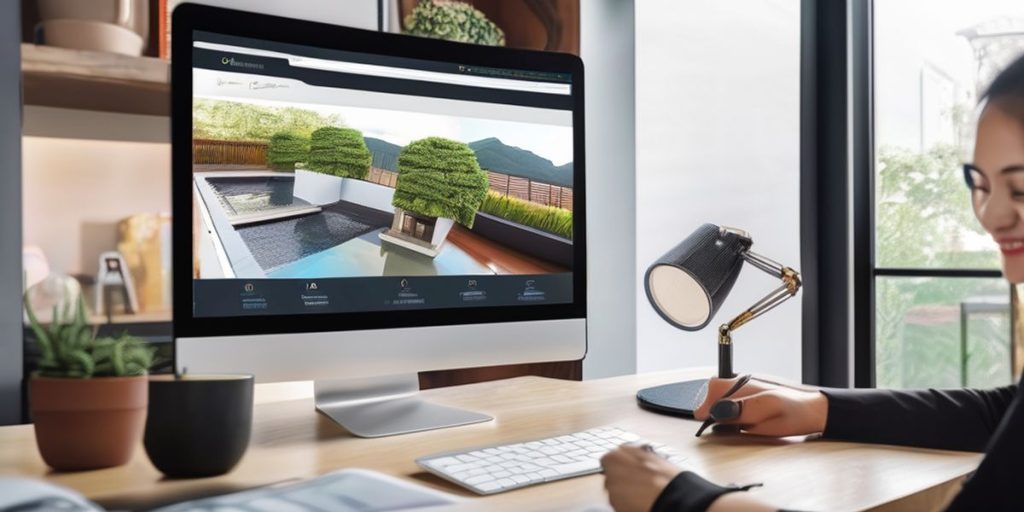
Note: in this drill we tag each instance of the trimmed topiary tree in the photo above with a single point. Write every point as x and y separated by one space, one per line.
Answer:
453 21
339 151
285 149
439 177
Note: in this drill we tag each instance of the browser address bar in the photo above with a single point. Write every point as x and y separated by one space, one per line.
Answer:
429 76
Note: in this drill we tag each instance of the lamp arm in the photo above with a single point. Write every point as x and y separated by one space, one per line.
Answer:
790 285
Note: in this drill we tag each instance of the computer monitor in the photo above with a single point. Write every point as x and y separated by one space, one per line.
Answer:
353 207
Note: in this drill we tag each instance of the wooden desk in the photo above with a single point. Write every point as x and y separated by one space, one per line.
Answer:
291 441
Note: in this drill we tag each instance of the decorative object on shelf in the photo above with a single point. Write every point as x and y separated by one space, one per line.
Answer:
35 264
439 183
55 291
117 26
114 280
88 397
687 286
144 243
198 425
453 21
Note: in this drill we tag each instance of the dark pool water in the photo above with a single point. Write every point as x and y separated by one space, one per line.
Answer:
283 241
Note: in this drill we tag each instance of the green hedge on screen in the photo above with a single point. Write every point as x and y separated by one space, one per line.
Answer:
550 219
439 177
285 149
340 152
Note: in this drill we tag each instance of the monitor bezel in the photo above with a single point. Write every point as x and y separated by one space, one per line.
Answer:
188 18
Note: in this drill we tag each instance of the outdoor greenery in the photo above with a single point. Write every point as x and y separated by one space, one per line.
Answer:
919 332
923 220
550 219
231 120
453 21
286 149
340 152
439 177
924 211
69 349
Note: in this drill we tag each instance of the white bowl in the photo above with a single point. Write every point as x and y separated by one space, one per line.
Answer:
90 35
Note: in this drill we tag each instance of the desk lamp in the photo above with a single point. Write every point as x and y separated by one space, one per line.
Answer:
687 286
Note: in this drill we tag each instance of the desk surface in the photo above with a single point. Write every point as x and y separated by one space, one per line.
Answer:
290 440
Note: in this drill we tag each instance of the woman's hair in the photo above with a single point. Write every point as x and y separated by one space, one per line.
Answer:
1007 90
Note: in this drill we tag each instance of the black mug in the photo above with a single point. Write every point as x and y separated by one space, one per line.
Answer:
198 425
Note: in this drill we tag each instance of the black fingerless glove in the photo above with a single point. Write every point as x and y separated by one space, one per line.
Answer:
688 492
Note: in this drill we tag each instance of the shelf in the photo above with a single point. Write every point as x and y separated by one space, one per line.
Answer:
107 82
46 317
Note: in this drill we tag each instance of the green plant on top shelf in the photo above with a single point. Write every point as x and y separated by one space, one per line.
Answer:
69 348
453 21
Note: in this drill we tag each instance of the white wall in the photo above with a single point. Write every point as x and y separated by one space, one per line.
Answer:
606 46
718 103
77 186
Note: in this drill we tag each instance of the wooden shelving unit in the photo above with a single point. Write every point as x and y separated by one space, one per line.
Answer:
77 79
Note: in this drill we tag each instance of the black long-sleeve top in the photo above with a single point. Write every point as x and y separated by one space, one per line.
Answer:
962 419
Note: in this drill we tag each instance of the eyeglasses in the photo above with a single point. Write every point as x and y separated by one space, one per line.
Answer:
735 387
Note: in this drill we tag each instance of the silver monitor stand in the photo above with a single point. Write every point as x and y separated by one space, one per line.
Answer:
386 406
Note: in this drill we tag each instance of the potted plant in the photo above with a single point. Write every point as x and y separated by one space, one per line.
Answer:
453 21
439 183
89 395
335 154
285 149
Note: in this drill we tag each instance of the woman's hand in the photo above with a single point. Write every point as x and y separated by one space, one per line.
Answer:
767 409
635 477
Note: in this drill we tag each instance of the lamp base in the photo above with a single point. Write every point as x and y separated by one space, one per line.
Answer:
676 399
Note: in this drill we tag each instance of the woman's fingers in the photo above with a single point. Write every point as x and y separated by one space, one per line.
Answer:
777 413
718 387
750 410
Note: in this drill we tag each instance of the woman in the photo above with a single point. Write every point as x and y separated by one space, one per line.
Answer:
974 420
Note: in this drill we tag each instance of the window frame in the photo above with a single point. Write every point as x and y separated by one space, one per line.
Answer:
838 162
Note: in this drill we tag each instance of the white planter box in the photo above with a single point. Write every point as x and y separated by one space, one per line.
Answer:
368 194
441 229
317 188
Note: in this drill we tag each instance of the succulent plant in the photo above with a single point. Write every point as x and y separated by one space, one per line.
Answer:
453 21
68 347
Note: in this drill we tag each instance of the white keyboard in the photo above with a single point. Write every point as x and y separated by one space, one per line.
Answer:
511 466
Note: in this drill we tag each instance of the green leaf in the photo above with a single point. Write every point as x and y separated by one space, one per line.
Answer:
117 358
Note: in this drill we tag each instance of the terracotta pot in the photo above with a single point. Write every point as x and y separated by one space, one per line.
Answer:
88 423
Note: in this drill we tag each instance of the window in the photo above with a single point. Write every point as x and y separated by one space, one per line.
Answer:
942 310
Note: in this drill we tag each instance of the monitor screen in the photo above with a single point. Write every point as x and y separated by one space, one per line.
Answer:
329 181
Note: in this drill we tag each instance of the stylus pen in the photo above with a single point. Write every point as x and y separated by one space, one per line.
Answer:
742 381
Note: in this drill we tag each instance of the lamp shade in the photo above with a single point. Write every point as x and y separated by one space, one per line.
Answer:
689 283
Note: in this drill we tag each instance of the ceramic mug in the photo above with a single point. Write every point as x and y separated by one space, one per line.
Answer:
198 425
118 26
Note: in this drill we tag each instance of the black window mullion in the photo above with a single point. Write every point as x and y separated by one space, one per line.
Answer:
862 177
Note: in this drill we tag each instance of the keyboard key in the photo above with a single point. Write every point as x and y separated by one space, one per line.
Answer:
489 486
479 479
443 461
575 467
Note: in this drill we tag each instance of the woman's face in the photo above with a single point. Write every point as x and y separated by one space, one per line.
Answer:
997 192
